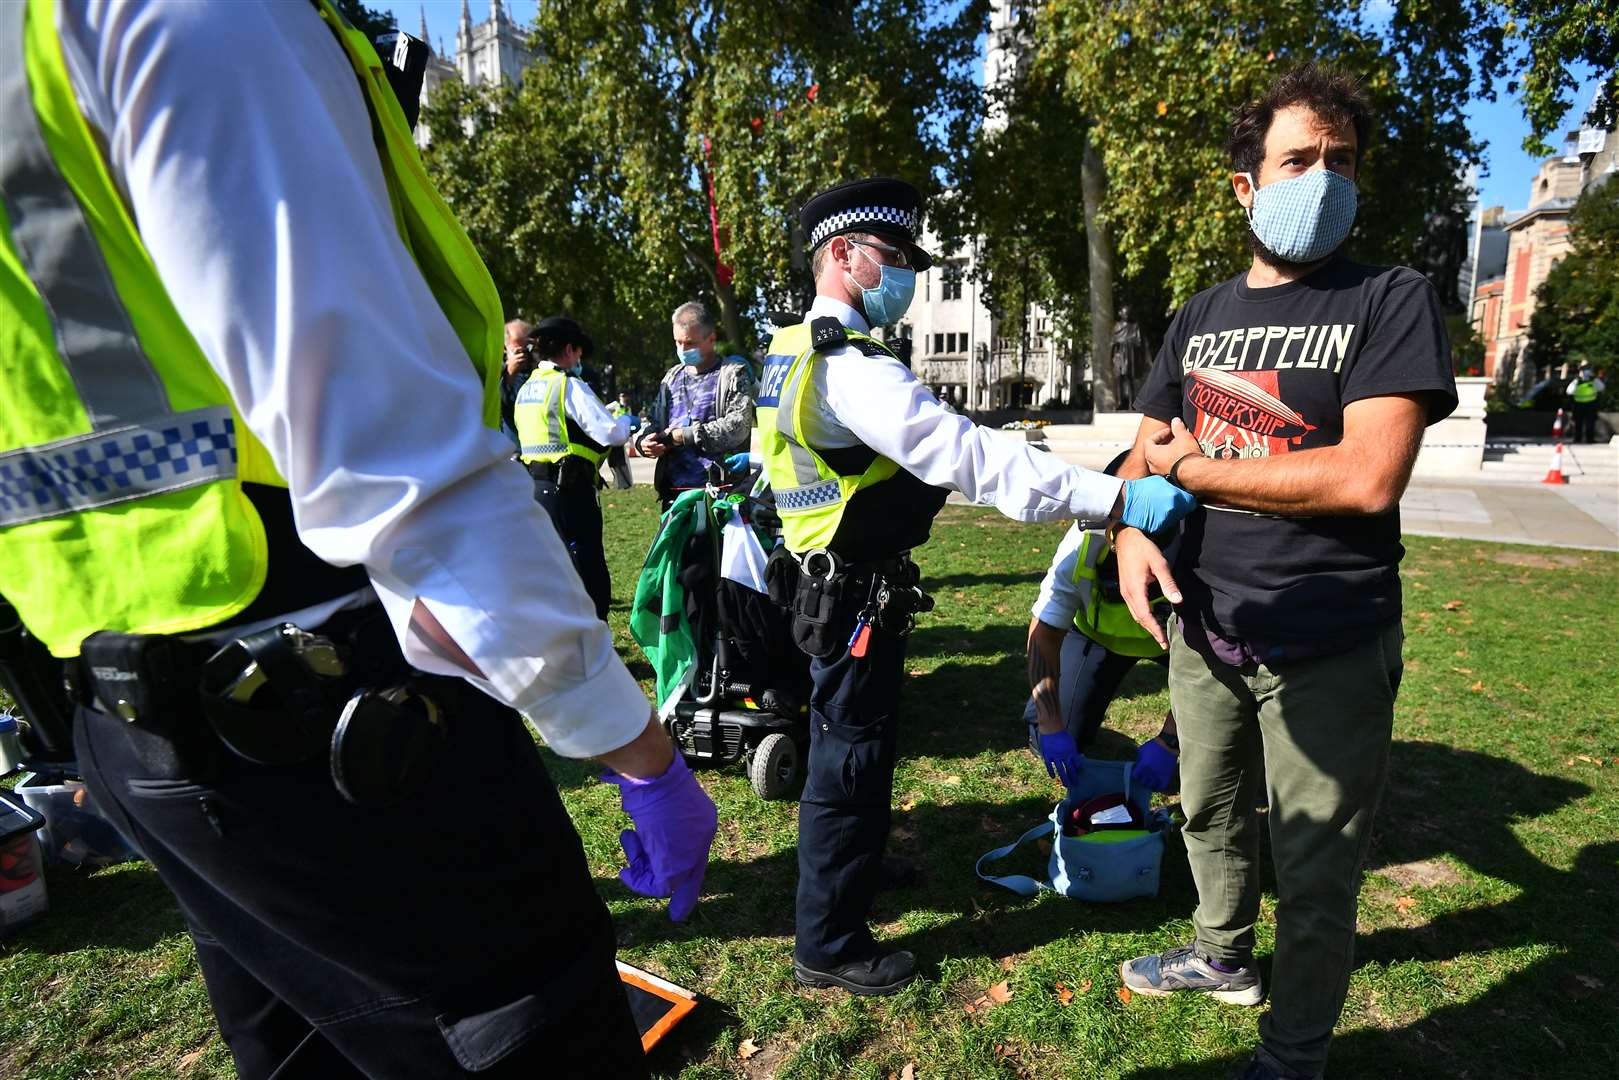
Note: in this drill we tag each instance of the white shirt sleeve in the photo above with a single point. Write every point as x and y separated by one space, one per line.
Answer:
888 408
1061 597
240 137
589 413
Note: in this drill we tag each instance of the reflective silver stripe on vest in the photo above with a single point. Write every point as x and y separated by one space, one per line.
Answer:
805 470
545 448
107 467
117 384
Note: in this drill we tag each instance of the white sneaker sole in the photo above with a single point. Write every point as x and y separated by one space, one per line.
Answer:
1248 996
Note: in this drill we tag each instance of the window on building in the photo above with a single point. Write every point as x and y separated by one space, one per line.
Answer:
950 285
938 343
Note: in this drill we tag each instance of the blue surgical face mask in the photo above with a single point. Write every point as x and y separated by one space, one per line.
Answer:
690 357
896 285
1304 219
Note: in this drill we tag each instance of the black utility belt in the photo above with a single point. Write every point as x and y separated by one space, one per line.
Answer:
883 595
281 696
571 471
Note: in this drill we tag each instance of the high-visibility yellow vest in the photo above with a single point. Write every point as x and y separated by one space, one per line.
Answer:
122 457
541 417
811 496
1585 392
1106 621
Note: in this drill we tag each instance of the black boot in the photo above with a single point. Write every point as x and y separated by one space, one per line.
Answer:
884 973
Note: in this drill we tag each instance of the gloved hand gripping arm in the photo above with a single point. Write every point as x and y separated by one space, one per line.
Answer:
1156 758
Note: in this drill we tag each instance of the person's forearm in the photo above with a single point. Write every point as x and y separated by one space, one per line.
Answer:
1045 669
1329 480
644 757
725 433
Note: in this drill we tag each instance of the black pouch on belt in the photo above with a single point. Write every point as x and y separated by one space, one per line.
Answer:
816 605
388 744
150 682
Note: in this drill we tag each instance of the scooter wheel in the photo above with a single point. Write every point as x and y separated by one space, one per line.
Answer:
775 769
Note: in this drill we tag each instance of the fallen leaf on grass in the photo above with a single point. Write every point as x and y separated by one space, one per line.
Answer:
909 1072
1004 1050
747 1049
1405 904
1007 963
1478 686
951 780
1462 670
970 1008
1000 993
1593 983
1124 994
1587 758
1453 605
1064 994
195 1056
1085 987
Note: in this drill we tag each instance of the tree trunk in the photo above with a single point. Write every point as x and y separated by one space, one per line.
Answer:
1099 249
730 317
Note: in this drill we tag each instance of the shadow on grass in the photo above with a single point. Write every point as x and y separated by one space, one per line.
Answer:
123 907
1448 802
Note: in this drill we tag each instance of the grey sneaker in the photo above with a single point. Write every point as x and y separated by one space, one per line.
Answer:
1161 974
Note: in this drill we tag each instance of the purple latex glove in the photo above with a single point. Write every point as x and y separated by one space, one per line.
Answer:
1155 764
675 822
1063 759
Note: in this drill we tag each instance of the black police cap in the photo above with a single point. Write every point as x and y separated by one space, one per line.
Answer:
887 207
561 330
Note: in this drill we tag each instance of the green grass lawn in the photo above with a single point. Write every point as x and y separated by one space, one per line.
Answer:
1487 942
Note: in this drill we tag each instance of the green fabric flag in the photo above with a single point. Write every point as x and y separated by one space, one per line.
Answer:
658 614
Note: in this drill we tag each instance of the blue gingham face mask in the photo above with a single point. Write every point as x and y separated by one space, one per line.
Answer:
1306 218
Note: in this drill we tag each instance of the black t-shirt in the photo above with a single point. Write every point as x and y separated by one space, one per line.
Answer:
1260 372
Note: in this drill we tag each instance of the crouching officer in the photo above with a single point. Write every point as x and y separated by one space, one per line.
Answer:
293 624
564 432
861 457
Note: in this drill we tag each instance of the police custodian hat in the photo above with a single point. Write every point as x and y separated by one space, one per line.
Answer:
561 330
889 208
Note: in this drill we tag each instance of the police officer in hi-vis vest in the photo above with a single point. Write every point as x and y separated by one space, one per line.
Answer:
861 457
253 495
563 433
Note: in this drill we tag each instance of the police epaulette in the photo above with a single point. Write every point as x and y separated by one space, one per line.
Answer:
827 333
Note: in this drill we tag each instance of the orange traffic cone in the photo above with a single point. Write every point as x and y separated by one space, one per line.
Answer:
1554 475
1557 425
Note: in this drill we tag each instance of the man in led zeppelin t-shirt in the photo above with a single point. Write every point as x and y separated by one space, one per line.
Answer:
1291 401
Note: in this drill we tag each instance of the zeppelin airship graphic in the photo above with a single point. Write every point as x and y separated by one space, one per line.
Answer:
1224 396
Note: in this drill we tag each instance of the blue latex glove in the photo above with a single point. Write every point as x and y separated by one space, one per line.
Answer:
675 822
738 463
1063 759
1154 503
1155 764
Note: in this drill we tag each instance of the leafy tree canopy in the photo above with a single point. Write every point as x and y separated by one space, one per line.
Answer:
1577 307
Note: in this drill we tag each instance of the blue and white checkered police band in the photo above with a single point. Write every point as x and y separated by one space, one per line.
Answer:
107 467
809 497
858 216
1306 218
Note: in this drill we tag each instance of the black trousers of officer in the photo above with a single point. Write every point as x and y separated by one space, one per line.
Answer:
1585 421
457 934
576 512
843 815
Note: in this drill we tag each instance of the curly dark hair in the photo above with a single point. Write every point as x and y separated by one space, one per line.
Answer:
1337 98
